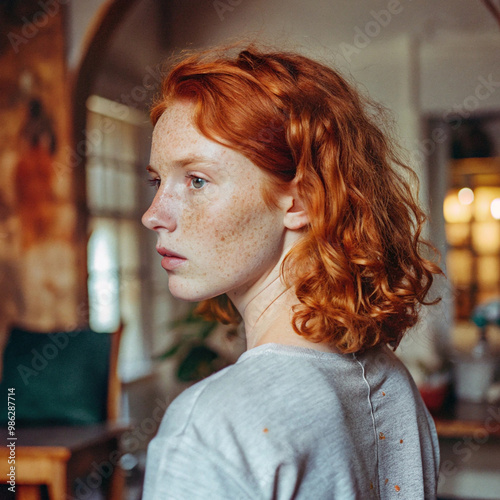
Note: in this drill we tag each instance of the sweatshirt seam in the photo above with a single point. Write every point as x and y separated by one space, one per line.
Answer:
372 413
194 403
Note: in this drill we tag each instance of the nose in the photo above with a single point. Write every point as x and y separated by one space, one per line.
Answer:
159 214
148 218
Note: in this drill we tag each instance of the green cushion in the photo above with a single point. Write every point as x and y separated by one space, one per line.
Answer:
59 378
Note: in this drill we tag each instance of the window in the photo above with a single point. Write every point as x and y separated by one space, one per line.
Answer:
122 284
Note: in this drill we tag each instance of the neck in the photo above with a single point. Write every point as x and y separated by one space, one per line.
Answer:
267 308
267 315
263 308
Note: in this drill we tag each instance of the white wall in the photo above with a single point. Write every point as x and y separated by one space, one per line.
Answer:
415 57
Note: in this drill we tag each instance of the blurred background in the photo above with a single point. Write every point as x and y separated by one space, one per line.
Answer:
76 81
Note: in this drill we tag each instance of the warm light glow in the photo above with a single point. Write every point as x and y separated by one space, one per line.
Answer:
488 270
459 264
482 204
495 208
466 196
457 234
454 211
486 237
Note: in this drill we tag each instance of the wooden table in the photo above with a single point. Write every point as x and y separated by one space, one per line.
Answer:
463 419
69 460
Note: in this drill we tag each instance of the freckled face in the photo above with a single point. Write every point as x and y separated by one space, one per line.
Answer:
211 220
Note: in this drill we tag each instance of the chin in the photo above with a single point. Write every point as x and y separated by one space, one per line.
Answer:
186 297
189 294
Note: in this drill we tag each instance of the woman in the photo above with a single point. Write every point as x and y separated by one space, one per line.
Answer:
278 204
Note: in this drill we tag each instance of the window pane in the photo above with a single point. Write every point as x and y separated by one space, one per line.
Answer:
118 142
104 286
126 201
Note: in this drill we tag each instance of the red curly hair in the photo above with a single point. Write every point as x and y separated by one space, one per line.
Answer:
358 270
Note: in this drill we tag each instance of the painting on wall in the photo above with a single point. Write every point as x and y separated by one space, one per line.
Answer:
37 202
34 176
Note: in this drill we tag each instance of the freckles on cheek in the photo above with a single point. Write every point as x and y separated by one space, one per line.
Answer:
240 234
226 234
192 220
234 224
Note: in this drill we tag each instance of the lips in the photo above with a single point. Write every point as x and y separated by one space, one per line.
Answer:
171 260
165 252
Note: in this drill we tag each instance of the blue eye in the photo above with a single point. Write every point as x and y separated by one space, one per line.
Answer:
198 182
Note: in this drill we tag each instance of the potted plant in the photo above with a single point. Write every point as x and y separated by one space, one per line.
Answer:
201 347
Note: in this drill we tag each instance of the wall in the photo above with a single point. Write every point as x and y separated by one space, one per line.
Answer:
37 216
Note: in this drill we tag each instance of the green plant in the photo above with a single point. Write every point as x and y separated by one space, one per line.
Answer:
195 357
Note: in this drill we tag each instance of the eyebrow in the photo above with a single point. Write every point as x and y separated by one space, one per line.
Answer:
188 160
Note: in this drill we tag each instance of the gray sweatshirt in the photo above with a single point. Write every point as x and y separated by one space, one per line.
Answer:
287 422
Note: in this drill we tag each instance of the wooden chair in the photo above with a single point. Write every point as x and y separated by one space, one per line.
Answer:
67 397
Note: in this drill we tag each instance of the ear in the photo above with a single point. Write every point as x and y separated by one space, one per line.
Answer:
296 216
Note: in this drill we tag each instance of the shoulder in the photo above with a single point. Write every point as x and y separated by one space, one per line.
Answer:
270 385
279 376
382 367
236 385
